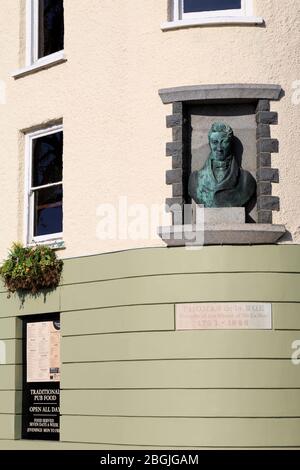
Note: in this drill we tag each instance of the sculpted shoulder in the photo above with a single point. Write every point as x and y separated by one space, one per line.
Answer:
221 182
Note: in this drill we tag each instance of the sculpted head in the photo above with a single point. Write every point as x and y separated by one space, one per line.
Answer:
220 140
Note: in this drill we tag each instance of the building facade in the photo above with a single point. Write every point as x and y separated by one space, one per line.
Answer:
86 86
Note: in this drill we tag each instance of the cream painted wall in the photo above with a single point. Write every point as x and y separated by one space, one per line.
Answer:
114 121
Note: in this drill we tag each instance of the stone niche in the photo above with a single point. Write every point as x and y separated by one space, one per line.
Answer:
241 117
247 109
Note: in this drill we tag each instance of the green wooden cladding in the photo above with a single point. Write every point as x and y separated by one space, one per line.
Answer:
10 403
190 432
118 320
188 373
210 344
182 402
129 379
9 426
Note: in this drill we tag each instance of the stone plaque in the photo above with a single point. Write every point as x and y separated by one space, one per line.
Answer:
224 316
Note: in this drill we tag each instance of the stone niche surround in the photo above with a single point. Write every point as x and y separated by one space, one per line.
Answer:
257 94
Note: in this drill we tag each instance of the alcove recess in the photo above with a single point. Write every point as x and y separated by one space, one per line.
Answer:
247 109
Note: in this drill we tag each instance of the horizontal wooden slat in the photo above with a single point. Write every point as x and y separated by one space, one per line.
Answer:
144 262
56 445
183 288
10 377
118 319
196 344
10 402
193 403
10 328
182 431
286 316
41 303
9 426
234 373
12 350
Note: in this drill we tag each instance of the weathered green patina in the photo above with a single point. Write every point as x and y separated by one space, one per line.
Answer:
221 182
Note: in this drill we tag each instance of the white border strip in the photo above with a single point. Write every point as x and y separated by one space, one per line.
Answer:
229 20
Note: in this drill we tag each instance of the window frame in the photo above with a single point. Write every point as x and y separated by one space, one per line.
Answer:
245 10
30 239
178 19
32 37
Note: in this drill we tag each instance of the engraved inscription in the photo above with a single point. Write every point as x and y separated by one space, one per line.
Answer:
227 316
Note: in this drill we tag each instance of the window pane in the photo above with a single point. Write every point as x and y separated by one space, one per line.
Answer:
48 211
51 27
47 159
191 6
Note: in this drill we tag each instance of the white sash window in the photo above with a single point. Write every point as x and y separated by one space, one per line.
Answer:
186 13
44 185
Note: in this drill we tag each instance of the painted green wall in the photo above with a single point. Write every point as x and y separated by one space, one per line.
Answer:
129 380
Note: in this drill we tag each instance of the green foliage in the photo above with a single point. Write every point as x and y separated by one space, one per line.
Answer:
31 268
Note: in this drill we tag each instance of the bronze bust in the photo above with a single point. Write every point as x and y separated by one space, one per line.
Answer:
221 182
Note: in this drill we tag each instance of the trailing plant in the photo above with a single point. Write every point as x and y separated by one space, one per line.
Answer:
31 268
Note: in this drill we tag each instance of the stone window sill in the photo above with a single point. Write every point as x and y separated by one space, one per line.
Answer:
57 244
213 21
44 63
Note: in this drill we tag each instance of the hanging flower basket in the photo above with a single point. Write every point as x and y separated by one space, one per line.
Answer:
31 269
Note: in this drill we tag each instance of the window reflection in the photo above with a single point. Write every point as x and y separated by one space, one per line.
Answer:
48 211
51 27
191 6
47 159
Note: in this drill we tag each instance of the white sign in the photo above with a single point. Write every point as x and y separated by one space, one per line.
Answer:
43 352
226 316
